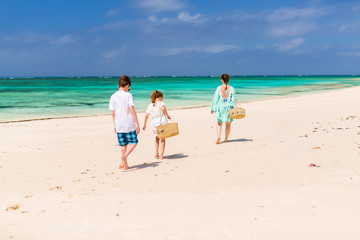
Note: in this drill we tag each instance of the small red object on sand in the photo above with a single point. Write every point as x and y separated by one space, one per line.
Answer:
313 165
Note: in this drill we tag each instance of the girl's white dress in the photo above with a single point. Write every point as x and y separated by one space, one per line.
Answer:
154 112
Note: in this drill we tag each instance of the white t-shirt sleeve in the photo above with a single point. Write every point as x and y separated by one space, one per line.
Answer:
111 106
148 109
162 104
130 100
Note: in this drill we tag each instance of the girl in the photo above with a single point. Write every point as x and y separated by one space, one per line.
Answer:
159 115
223 100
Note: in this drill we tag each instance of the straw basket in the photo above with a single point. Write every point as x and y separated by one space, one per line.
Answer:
167 130
237 112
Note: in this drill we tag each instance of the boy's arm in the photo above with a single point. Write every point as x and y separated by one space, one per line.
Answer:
165 112
133 113
113 116
145 121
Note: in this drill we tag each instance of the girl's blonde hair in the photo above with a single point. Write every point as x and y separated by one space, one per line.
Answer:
155 94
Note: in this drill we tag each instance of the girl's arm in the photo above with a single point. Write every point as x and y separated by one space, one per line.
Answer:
165 112
113 116
133 113
145 121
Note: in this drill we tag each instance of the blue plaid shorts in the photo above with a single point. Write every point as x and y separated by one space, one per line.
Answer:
127 138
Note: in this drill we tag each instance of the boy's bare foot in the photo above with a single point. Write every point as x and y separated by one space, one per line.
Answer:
123 164
218 141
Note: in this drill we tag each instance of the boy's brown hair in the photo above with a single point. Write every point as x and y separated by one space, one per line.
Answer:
124 80
155 94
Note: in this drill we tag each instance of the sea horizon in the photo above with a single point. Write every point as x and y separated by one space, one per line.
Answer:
32 98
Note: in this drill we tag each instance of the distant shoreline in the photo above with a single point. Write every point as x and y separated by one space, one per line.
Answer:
178 108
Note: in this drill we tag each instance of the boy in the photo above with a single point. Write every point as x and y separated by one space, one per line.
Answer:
126 124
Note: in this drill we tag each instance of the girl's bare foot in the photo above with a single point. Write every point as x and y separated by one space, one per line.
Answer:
218 141
161 157
156 156
226 140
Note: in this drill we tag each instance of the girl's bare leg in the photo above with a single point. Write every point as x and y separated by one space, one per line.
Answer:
162 150
218 131
157 147
227 131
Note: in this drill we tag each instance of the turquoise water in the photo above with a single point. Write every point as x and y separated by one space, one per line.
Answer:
32 98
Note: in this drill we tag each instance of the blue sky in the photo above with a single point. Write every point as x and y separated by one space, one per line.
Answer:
178 37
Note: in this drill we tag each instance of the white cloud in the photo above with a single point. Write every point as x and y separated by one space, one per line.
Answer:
154 19
286 14
186 17
63 40
113 53
214 49
349 27
112 12
350 54
218 48
292 29
356 8
159 5
290 45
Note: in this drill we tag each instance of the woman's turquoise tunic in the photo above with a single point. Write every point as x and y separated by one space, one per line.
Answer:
221 105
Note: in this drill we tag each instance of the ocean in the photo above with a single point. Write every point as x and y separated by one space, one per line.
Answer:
52 97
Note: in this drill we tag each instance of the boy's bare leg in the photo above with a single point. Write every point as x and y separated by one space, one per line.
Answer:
227 131
162 150
123 158
157 147
218 131
127 153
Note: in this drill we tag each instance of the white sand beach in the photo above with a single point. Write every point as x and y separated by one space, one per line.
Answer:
60 177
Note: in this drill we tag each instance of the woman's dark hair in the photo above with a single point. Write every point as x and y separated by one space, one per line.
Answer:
124 80
225 78
155 94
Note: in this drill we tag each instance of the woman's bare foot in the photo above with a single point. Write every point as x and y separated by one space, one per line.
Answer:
218 141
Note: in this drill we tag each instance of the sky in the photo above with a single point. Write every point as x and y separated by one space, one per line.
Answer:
179 37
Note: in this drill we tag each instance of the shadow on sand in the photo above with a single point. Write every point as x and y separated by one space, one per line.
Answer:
142 166
241 140
176 156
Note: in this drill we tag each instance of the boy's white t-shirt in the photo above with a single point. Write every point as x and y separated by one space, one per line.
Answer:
120 102
154 112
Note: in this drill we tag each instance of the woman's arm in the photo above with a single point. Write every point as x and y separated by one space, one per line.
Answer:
215 100
232 97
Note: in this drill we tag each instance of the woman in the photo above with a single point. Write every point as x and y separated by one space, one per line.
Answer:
223 100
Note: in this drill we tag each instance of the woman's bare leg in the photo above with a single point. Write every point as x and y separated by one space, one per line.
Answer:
227 131
218 131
